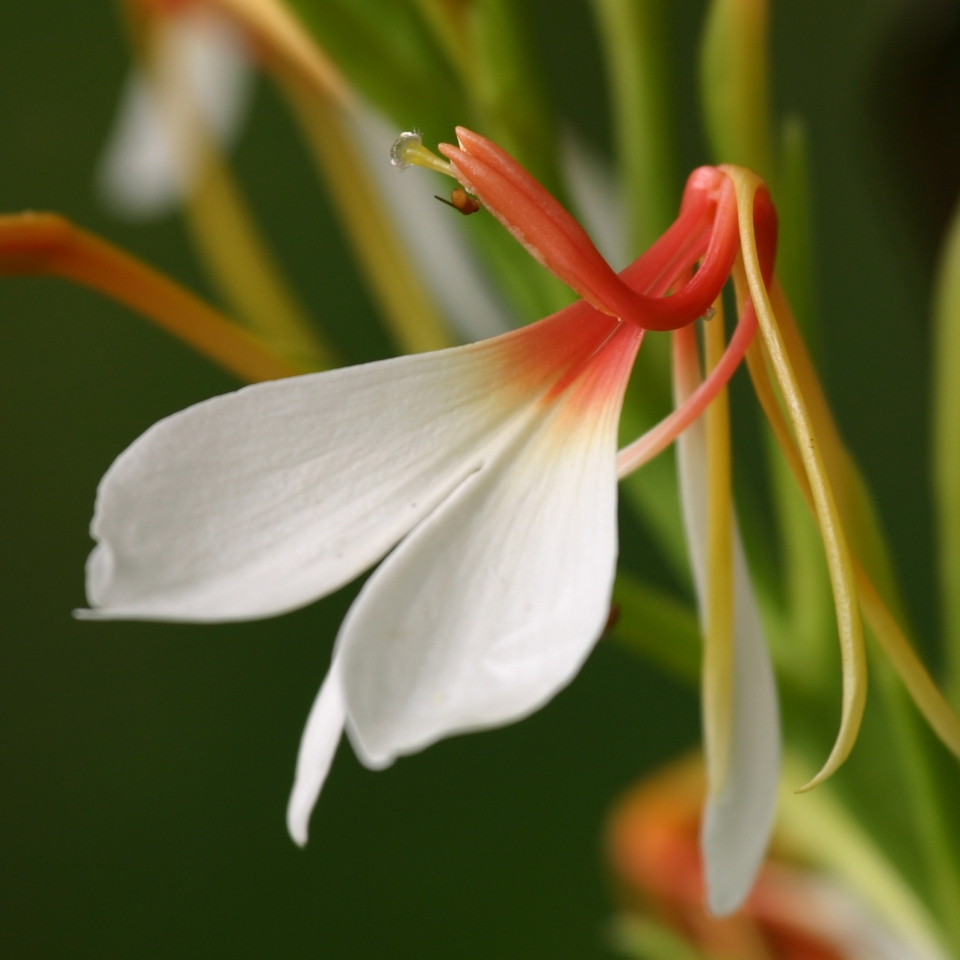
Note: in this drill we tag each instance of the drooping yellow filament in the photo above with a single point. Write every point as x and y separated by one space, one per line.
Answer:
44 243
891 637
717 681
839 560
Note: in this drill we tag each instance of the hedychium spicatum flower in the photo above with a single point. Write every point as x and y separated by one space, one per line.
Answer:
490 472
494 468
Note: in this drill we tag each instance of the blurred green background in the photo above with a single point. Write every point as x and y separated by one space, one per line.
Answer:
145 767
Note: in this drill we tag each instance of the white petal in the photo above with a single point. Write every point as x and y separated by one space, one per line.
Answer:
317 748
202 74
738 820
833 912
263 500
216 55
692 475
431 233
138 175
491 605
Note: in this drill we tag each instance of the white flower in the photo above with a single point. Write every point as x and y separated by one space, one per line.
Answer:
493 466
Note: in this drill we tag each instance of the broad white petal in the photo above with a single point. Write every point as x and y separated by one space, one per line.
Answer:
738 820
449 267
491 605
202 75
317 748
263 500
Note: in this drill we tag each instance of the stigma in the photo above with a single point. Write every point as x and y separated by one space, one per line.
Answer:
408 151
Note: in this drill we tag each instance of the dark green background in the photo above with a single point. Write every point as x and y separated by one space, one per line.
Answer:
144 768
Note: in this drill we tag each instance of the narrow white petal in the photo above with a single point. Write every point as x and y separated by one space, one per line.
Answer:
597 199
692 475
219 62
738 819
491 605
839 916
263 500
201 80
449 267
138 176
317 748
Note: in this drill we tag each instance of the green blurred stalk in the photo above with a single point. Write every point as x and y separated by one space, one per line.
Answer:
659 627
929 816
795 246
946 447
734 85
633 33
645 939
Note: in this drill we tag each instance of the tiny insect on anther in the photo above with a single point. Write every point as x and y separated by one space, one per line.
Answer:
462 201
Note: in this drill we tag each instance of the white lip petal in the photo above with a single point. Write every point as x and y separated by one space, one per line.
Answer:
317 748
260 501
738 819
490 606
443 256
202 73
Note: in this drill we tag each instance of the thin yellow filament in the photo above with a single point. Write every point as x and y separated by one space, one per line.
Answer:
717 682
44 243
839 560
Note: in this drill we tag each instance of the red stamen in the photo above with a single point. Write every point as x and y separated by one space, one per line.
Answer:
552 235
